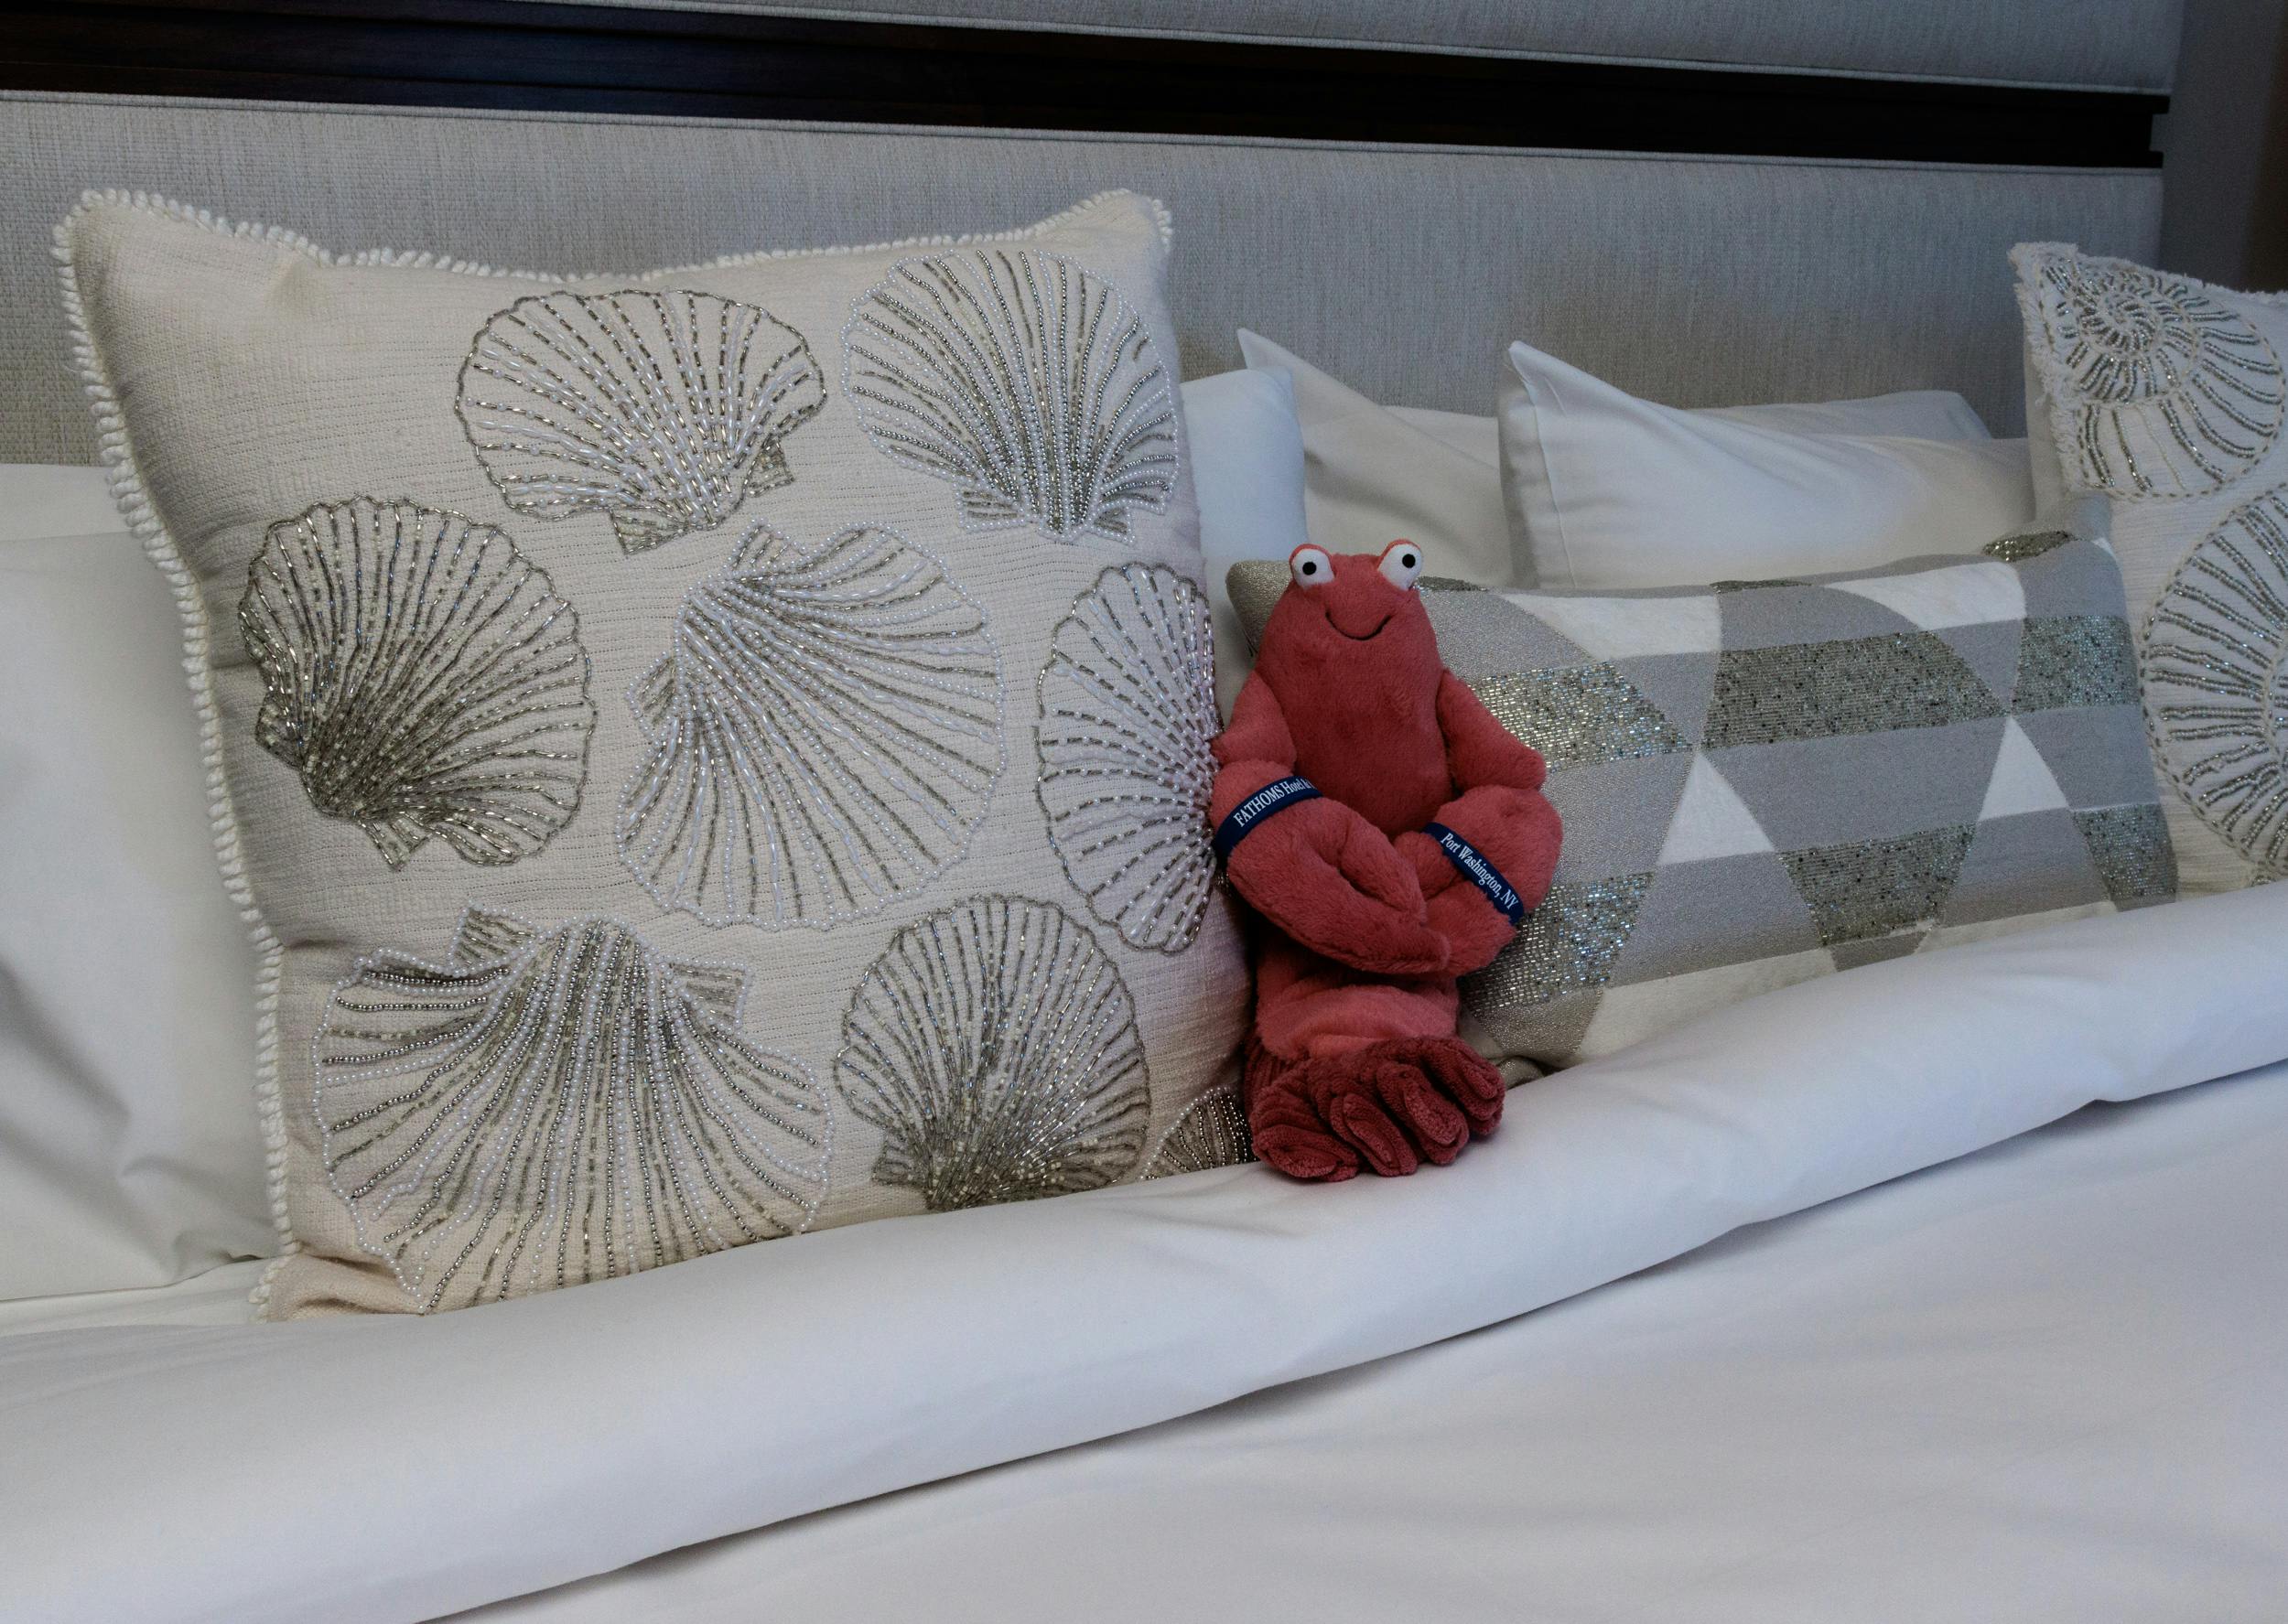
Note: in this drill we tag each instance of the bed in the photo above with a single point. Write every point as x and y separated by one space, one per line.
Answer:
1824 1305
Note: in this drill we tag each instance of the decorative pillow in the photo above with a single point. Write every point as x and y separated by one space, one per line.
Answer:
1604 490
130 1155
712 754
2165 395
1763 782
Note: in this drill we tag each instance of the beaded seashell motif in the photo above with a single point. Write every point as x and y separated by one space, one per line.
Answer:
421 676
1128 712
1212 1132
551 1107
663 411
994 1045
2214 676
1021 378
825 732
2169 391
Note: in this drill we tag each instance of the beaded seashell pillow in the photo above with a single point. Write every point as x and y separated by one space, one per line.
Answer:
2165 395
705 755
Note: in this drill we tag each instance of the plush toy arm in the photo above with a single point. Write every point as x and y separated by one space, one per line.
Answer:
1479 750
1316 869
1501 810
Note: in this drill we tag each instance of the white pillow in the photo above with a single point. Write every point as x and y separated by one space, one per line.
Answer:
1604 490
1247 464
1374 473
130 1153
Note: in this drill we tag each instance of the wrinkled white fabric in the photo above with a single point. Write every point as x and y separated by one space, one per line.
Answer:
130 1153
2041 1383
396 1469
222 1295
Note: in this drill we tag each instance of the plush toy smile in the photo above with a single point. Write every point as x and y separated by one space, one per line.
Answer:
1426 838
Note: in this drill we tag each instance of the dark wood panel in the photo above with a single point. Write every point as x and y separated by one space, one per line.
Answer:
504 54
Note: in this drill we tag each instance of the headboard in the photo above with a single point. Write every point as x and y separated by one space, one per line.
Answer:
1730 267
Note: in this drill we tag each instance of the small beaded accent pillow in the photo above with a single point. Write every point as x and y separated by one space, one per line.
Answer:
2166 397
705 755
1762 781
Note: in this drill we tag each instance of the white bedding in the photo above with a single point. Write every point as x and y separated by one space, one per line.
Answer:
396 1470
218 1297
2048 1382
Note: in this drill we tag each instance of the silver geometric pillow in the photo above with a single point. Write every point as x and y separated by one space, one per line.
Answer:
1764 782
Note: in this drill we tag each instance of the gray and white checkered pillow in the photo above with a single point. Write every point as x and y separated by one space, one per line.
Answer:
1765 781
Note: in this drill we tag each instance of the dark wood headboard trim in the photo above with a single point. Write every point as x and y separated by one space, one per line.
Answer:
498 54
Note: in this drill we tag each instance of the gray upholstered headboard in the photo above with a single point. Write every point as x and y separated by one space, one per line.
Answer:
1402 268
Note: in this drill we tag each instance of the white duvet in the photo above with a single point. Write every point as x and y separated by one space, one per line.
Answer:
398 1469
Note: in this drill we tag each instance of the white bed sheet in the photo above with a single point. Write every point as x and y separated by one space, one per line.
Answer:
2046 1383
389 1469
218 1297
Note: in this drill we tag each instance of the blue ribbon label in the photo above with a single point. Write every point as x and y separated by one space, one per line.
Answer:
1271 798
1478 871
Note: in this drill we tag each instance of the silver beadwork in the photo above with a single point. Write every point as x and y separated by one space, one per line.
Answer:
2136 859
2074 660
825 729
994 1045
1022 380
551 1107
2025 545
1575 716
2170 392
1212 1132
1872 889
1569 943
2216 691
421 676
1863 684
1128 712
662 411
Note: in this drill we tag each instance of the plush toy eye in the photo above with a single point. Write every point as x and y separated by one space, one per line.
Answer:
1311 566
1401 563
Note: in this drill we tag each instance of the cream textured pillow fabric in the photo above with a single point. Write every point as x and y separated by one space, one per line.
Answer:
2166 395
1762 781
712 753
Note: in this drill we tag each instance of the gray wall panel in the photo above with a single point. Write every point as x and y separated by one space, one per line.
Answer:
1404 271
2122 44
2225 140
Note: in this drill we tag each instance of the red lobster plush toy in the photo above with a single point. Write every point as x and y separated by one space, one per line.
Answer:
1392 833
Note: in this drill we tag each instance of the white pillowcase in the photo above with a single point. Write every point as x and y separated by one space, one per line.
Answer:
1375 473
130 1153
1604 490
1248 465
